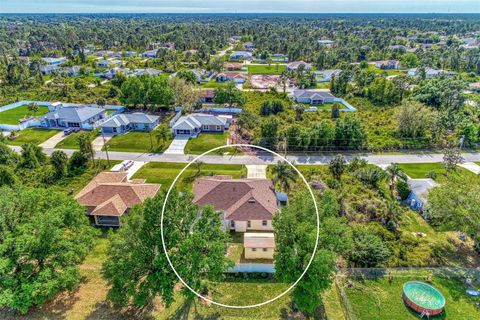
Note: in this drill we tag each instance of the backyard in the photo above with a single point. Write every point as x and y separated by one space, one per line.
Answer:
165 172
207 141
13 116
32 135
266 69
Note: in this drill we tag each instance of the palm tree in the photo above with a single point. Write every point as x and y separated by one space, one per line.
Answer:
395 173
162 134
282 145
284 175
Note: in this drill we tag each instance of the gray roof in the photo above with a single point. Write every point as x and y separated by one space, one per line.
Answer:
296 64
328 73
420 187
311 94
75 114
125 119
197 121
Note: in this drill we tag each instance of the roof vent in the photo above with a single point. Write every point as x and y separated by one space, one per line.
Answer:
251 201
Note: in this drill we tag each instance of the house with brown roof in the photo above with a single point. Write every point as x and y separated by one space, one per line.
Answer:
110 195
246 204
259 245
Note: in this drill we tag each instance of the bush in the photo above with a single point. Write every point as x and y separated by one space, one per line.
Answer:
402 189
77 163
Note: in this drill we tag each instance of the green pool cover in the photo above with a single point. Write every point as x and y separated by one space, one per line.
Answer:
424 295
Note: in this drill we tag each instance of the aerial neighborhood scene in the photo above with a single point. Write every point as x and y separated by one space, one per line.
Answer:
252 160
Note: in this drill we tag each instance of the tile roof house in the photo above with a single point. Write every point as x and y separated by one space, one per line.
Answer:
312 97
246 204
137 121
294 65
110 195
81 117
237 77
207 96
259 245
193 124
231 66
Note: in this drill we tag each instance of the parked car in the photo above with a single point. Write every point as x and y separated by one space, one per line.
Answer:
127 164
68 131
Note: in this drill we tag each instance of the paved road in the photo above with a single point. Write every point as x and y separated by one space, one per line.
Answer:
265 159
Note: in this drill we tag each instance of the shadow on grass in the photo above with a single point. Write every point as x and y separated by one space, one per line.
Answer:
183 313
106 310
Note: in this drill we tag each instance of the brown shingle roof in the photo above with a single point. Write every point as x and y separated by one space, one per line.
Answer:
112 194
240 199
259 240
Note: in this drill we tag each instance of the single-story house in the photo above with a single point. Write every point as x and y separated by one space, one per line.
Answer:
279 57
131 54
313 97
110 62
429 72
232 66
241 55
148 71
418 192
202 75
193 124
294 65
259 245
326 75
54 61
398 47
474 86
72 71
150 53
249 46
246 204
237 77
73 117
325 43
137 121
104 53
110 195
50 69
387 64
111 73
207 96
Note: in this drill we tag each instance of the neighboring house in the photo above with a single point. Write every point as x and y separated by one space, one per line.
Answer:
326 75
237 77
193 124
232 66
148 72
474 86
279 57
418 192
201 75
137 121
241 55
429 72
246 204
259 245
110 62
72 71
150 53
399 47
110 195
73 117
325 43
387 64
111 73
24 59
296 64
48 69
131 54
312 97
207 96
249 46
470 43
54 61
104 53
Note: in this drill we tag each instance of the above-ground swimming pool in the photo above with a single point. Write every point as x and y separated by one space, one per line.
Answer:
423 298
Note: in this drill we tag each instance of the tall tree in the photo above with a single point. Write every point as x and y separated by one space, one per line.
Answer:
284 175
395 173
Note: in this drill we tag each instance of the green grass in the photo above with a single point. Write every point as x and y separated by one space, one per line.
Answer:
165 172
265 69
421 170
136 141
31 135
373 68
12 116
212 84
69 142
207 141
380 299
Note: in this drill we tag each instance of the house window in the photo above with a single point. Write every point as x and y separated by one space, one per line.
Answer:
205 128
265 249
254 249
264 223
219 128
249 224
232 224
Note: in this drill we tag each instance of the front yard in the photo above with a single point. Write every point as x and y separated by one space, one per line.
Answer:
13 116
207 141
32 135
137 141
266 69
435 170
165 172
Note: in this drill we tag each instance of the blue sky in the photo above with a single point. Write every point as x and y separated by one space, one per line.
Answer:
208 6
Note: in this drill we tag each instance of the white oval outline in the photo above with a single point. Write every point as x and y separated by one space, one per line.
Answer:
309 262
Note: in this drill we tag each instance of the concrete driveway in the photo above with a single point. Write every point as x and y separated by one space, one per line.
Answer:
97 143
471 166
256 171
53 141
178 145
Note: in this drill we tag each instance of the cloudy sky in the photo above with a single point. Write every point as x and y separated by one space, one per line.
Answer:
208 6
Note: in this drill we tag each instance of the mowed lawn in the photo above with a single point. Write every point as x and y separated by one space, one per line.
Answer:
12 116
207 141
70 142
381 299
421 170
165 172
32 135
136 141
265 69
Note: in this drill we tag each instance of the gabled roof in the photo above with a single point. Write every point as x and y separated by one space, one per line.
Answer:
296 64
75 114
239 199
125 119
197 121
111 194
312 94
420 187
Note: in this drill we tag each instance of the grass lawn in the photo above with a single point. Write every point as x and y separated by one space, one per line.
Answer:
379 299
332 303
12 116
421 170
69 142
137 141
212 84
32 135
208 141
373 68
265 69
165 172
